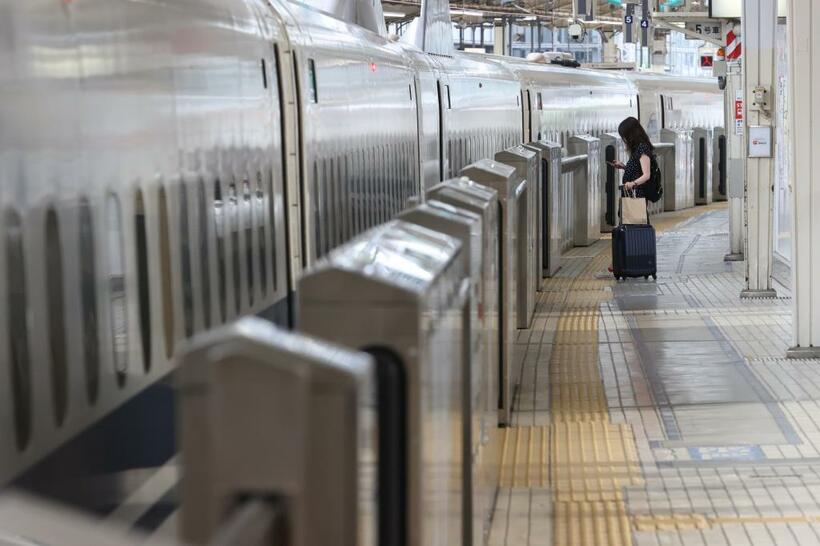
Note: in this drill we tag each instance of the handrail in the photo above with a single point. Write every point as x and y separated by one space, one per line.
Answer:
573 162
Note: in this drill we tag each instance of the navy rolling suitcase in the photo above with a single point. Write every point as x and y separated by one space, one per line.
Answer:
633 251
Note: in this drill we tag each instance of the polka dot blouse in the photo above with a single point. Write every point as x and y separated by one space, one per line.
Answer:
633 169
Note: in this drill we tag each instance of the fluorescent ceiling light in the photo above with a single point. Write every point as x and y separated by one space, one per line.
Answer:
393 14
468 12
529 18
732 9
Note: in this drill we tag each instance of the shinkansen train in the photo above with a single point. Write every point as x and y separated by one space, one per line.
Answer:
170 166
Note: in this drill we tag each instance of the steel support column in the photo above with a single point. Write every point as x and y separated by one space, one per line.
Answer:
804 18
759 27
500 39
735 159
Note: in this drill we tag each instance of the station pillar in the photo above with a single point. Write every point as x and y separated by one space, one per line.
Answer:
804 18
759 28
500 39
736 160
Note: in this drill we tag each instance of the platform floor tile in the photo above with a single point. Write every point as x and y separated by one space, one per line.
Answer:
661 413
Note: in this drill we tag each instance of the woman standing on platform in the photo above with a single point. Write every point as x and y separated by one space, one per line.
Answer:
638 169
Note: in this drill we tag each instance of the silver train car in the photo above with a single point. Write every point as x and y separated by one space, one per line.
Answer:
167 167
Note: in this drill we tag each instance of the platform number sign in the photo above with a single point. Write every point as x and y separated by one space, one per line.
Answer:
628 20
644 23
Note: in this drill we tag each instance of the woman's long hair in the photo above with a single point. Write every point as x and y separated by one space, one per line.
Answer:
633 134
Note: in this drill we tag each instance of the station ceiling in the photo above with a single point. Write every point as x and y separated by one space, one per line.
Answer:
550 12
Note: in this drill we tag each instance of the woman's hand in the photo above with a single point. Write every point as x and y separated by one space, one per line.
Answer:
617 165
629 186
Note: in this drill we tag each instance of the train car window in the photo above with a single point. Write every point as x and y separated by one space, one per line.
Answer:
247 221
204 261
165 271
236 251
185 258
259 215
143 279
313 93
56 316
117 301
88 293
221 257
17 324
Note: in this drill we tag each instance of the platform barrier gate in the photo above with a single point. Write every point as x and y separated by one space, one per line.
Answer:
511 222
719 164
481 421
549 232
465 194
401 292
665 155
587 213
703 148
261 410
679 181
612 149
525 163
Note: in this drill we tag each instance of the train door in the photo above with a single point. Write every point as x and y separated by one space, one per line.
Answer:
425 96
526 115
291 168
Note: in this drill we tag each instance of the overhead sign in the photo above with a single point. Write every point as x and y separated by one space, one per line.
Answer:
733 9
709 30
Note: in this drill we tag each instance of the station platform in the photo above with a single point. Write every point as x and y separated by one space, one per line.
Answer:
655 413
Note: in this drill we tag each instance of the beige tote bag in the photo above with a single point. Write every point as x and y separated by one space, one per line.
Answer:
633 210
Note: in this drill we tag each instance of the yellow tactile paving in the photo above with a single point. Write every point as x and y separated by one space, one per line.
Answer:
592 461
591 524
670 522
524 461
